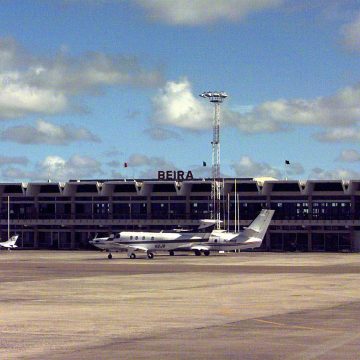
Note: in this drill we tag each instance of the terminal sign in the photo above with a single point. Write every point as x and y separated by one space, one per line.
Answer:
175 175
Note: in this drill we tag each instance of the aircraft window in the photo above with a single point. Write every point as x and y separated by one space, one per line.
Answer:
143 237
136 237
215 240
152 238
131 237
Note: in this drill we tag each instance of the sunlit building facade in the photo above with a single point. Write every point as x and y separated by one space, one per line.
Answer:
309 216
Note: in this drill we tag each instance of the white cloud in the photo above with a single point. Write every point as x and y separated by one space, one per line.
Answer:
246 167
17 98
351 33
336 174
161 134
349 155
198 12
44 85
115 174
56 168
76 167
343 107
339 134
15 174
91 72
157 163
45 132
20 160
295 168
112 152
252 122
176 105
114 163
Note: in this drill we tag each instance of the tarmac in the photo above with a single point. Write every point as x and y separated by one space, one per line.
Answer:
80 305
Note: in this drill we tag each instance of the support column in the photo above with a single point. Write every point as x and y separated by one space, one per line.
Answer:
111 208
268 241
73 207
148 207
187 206
73 241
36 237
309 240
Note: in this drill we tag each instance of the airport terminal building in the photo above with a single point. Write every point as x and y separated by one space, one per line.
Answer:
309 216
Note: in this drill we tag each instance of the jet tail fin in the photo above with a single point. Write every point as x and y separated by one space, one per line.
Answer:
10 243
260 225
13 240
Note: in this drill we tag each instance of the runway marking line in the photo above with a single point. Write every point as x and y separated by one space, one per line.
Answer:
293 326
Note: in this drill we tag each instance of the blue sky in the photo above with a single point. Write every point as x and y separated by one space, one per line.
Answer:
86 85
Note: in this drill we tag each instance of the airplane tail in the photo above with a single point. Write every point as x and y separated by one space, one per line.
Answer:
10 244
13 240
260 225
207 224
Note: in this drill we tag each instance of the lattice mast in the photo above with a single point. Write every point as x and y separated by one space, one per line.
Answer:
216 98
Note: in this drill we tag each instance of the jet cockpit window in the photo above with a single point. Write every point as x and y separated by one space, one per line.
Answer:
117 236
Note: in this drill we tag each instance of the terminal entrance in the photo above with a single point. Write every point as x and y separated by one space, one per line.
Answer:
54 240
331 242
289 241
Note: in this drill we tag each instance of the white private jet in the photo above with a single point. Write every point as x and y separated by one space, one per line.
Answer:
150 242
201 241
249 238
10 244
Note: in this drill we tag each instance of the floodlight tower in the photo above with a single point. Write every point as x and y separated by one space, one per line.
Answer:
216 98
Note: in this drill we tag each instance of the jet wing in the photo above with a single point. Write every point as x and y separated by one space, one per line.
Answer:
200 247
137 248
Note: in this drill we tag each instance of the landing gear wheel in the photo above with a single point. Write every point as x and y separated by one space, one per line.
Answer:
132 256
197 252
171 253
150 255
110 256
206 252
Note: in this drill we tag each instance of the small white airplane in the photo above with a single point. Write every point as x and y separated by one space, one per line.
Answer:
10 244
201 241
